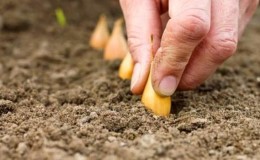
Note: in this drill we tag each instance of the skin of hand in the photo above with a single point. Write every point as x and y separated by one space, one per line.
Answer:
191 38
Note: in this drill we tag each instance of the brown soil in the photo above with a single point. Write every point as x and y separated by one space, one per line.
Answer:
60 100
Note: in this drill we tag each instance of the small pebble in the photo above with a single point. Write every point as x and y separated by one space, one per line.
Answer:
229 149
122 144
83 120
93 115
79 156
230 107
241 157
6 139
174 131
111 138
160 150
199 121
147 140
258 79
21 148
212 152
155 117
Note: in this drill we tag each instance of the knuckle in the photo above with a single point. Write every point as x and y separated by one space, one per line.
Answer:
138 46
174 63
223 48
251 6
227 47
188 83
254 3
134 43
166 68
192 27
176 66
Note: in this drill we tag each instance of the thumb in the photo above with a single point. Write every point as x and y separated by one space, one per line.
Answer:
142 21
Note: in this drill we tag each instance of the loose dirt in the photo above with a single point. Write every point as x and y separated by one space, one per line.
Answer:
60 100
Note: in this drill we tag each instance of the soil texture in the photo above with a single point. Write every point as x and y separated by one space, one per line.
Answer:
60 100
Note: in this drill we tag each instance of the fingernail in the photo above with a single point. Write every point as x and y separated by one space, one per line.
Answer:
136 75
168 85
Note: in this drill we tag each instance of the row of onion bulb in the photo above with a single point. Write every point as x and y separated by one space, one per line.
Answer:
115 47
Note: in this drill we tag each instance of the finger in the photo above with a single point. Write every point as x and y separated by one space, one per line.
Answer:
220 44
164 19
142 21
189 23
247 9
163 5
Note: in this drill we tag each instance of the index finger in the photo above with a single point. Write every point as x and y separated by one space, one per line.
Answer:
142 20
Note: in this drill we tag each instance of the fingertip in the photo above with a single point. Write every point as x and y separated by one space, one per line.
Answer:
163 84
139 78
135 78
142 57
167 86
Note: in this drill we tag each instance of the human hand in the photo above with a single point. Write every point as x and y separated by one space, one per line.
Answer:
189 44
